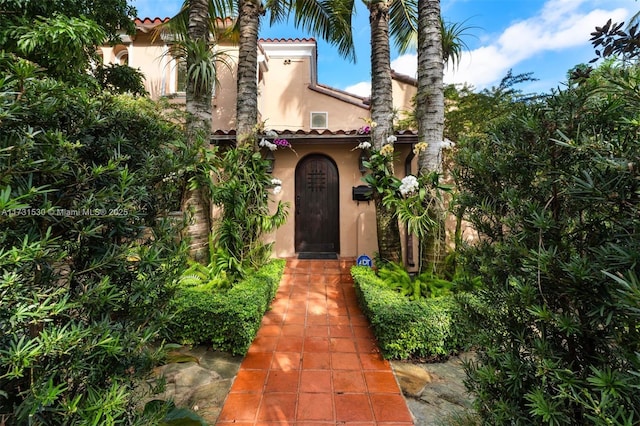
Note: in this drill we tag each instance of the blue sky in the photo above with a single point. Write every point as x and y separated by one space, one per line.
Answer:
546 37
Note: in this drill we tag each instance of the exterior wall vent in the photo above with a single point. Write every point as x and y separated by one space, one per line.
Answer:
319 120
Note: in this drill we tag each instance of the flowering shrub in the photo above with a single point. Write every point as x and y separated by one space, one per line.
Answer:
363 145
282 143
420 147
387 150
266 144
411 199
272 134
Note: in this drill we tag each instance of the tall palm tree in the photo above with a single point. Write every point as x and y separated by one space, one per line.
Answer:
249 13
430 114
329 19
192 30
395 17
430 96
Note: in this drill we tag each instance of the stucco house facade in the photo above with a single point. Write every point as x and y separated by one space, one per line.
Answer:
321 123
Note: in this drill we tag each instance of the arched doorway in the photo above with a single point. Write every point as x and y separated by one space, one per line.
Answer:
317 212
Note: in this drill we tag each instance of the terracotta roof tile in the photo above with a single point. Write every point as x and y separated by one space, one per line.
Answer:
147 21
404 136
287 40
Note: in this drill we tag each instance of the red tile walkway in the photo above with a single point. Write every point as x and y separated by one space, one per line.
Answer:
314 360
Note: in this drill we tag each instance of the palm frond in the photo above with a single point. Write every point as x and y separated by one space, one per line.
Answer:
219 10
403 24
328 19
278 10
453 43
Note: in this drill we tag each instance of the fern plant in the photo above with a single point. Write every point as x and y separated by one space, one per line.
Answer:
199 275
425 285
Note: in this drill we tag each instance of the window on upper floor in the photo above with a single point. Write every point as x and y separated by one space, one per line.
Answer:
122 57
178 78
181 77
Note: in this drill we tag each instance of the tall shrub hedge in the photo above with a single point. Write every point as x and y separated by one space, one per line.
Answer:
554 191
86 271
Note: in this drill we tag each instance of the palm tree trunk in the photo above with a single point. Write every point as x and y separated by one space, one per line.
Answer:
389 246
198 99
430 115
250 12
381 87
198 126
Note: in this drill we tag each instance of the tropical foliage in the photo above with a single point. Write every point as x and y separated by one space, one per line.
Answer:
552 188
227 320
86 270
60 35
412 200
241 190
432 328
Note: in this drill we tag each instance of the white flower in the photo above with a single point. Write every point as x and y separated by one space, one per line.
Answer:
392 139
276 182
277 189
271 134
409 185
269 145
364 145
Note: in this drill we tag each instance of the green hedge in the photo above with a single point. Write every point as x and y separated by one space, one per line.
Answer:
228 320
405 328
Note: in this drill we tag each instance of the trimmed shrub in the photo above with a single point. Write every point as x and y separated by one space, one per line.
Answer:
406 328
228 320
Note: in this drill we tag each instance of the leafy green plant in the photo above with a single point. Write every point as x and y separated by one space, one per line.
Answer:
165 413
240 189
559 339
228 320
86 270
433 328
199 275
425 285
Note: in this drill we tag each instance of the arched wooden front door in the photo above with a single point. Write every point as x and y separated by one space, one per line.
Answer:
317 205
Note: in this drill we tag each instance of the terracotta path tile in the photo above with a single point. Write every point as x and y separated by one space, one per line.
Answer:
314 361
353 407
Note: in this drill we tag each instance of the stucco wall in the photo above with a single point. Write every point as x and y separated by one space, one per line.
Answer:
286 100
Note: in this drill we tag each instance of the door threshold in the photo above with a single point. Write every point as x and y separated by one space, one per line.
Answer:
317 255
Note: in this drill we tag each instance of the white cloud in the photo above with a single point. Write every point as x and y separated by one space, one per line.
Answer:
558 25
361 89
406 64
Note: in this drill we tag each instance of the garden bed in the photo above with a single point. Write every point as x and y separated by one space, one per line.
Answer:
427 328
229 319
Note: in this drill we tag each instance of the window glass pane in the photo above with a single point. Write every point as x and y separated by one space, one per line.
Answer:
181 77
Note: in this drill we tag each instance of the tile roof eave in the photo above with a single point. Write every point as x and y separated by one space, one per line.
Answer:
340 95
320 136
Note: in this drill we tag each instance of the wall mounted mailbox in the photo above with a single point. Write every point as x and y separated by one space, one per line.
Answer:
362 193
